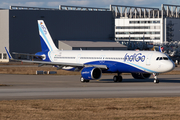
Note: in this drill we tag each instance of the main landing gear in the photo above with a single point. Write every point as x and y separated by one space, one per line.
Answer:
117 78
83 80
155 78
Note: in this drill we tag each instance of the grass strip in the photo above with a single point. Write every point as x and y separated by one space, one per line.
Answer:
88 109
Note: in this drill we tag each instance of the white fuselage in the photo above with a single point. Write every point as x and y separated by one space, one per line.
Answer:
123 60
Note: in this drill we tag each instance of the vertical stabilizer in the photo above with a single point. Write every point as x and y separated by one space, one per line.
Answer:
160 50
47 43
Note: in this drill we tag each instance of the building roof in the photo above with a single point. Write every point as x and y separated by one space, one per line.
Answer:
93 43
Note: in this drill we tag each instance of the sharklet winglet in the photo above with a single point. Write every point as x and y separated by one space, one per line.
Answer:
10 57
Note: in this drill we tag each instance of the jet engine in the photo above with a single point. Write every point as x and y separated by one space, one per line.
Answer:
91 73
141 75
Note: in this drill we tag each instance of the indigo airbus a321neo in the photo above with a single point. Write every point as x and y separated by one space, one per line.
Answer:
141 64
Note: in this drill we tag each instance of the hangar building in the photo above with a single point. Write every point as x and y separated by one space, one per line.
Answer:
123 24
19 29
135 24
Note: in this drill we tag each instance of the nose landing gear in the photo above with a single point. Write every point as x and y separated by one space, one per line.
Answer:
155 78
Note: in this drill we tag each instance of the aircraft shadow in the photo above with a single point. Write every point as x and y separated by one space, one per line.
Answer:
161 80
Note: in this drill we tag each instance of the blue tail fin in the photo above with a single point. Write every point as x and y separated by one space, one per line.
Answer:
47 43
160 50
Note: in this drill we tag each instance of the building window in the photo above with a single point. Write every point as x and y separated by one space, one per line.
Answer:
157 32
137 38
138 27
137 33
0 56
4 56
142 22
157 38
133 38
156 21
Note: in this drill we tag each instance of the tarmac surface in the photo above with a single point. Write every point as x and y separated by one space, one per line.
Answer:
22 87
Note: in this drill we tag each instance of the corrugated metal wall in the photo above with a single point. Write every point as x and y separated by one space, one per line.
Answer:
62 25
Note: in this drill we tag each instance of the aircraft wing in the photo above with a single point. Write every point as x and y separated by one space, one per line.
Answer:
66 64
53 63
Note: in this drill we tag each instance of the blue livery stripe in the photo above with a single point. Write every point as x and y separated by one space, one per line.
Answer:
142 68
123 67
44 47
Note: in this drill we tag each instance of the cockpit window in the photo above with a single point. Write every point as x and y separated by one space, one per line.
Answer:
165 58
168 57
162 58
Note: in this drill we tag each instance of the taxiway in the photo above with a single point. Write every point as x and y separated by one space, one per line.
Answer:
63 86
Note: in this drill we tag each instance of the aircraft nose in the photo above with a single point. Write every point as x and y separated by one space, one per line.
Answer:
170 66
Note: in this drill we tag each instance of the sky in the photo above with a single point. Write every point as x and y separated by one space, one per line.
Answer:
86 3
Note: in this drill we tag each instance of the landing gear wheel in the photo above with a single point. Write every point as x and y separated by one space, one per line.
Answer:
155 78
156 81
86 80
117 78
83 80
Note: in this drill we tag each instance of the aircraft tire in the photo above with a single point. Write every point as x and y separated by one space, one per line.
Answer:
119 78
86 80
82 80
115 78
156 81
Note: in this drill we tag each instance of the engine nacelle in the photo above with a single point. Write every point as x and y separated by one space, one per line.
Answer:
141 75
91 73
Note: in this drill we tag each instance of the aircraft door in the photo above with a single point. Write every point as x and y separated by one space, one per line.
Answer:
102 59
148 60
78 58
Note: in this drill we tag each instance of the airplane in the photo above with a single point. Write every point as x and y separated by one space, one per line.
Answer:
92 63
